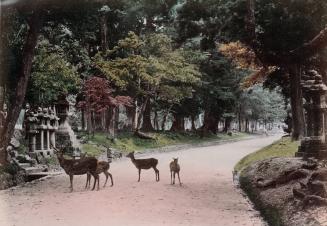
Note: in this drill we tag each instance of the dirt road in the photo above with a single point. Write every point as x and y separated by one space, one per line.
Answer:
207 196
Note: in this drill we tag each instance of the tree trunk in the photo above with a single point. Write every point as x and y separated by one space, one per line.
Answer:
116 119
35 23
130 113
108 119
247 125
298 122
141 113
146 125
178 124
164 120
239 122
156 121
83 119
104 32
193 123
112 117
88 122
210 124
228 121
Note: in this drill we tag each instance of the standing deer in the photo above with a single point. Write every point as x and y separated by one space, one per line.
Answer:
174 168
144 164
102 167
86 165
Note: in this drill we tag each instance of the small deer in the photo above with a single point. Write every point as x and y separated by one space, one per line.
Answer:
174 168
144 164
86 165
102 167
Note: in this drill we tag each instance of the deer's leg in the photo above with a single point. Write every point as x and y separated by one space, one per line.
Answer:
174 177
139 175
71 177
112 181
96 178
157 173
171 177
179 179
107 175
88 180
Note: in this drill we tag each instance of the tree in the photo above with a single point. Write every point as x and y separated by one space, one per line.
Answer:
277 47
51 76
97 97
146 70
21 66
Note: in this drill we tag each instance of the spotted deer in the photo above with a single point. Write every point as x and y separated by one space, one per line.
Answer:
144 164
102 167
86 165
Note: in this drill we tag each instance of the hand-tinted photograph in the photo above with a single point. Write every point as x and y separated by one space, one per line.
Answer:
163 112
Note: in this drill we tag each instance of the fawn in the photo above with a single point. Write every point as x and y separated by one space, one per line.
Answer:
174 168
102 167
144 164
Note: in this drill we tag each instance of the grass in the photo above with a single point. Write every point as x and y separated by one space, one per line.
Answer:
127 142
284 147
91 150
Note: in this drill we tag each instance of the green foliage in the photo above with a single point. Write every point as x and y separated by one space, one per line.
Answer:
221 88
261 104
91 150
52 75
127 142
11 169
149 66
284 147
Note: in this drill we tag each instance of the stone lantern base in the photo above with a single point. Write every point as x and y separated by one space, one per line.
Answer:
312 147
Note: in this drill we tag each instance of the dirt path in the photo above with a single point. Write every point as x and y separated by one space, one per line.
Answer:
207 197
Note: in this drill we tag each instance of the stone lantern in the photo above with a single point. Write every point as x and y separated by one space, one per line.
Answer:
63 137
314 91
40 129
31 122
53 126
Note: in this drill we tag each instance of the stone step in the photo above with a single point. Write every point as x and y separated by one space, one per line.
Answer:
34 170
24 165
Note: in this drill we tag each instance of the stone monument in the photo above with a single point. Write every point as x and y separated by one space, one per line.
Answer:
314 92
40 130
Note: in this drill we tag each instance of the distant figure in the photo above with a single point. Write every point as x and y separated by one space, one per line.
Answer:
174 168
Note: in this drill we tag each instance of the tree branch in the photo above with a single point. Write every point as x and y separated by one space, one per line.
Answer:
295 56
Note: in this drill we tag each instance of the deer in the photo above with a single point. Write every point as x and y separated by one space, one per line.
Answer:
174 169
86 165
144 164
102 167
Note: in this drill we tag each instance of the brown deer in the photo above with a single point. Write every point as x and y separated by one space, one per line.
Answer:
102 167
78 167
174 169
144 164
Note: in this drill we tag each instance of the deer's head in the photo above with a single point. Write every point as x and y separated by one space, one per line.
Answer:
175 160
130 155
58 152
